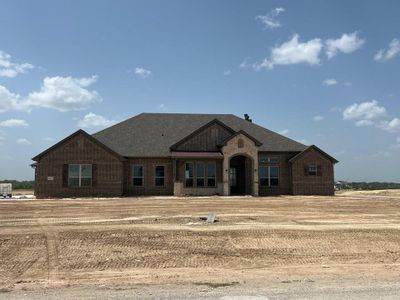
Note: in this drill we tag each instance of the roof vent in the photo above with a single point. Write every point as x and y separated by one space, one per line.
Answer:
247 118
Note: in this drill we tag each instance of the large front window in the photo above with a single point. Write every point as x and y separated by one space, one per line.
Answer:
200 174
79 175
269 175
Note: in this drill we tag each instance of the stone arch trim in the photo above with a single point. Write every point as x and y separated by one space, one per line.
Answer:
250 150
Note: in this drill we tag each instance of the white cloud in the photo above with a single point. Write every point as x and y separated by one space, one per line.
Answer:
318 118
11 69
371 114
329 81
63 94
384 55
293 52
245 63
14 123
91 120
390 126
227 72
269 20
60 93
8 100
347 43
47 139
23 141
142 73
365 112
284 132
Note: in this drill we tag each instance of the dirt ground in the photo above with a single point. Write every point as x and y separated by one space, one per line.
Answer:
161 241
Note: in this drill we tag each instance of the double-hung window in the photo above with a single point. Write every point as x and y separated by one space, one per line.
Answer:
137 175
160 176
79 175
312 170
269 175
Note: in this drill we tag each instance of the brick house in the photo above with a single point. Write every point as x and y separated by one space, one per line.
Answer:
182 154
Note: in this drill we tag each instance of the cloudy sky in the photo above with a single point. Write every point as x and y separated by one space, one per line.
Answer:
321 72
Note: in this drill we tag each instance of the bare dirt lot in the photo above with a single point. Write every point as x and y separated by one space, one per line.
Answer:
153 241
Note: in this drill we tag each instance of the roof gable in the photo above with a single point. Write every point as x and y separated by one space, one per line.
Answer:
68 138
256 142
206 138
313 147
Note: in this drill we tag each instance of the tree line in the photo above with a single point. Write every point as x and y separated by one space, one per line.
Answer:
368 185
20 185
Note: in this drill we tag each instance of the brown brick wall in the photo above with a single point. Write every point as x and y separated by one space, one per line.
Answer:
322 184
149 187
285 177
78 150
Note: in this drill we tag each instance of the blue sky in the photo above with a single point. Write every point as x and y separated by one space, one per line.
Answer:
321 72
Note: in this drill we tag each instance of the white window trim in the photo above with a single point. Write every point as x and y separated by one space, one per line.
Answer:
80 175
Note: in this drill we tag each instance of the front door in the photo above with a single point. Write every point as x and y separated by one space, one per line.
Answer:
237 175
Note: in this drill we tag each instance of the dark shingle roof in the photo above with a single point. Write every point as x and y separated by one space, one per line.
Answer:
152 134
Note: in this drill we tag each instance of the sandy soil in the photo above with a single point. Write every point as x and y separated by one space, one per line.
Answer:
389 192
156 241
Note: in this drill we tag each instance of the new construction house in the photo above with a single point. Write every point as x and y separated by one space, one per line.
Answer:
182 154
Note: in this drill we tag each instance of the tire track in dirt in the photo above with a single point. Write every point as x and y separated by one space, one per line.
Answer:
52 251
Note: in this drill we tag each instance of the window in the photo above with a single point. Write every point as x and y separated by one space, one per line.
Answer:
312 170
273 176
189 174
263 176
211 174
269 175
79 175
137 175
160 176
200 174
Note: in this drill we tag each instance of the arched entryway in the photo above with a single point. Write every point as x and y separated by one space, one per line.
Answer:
240 179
